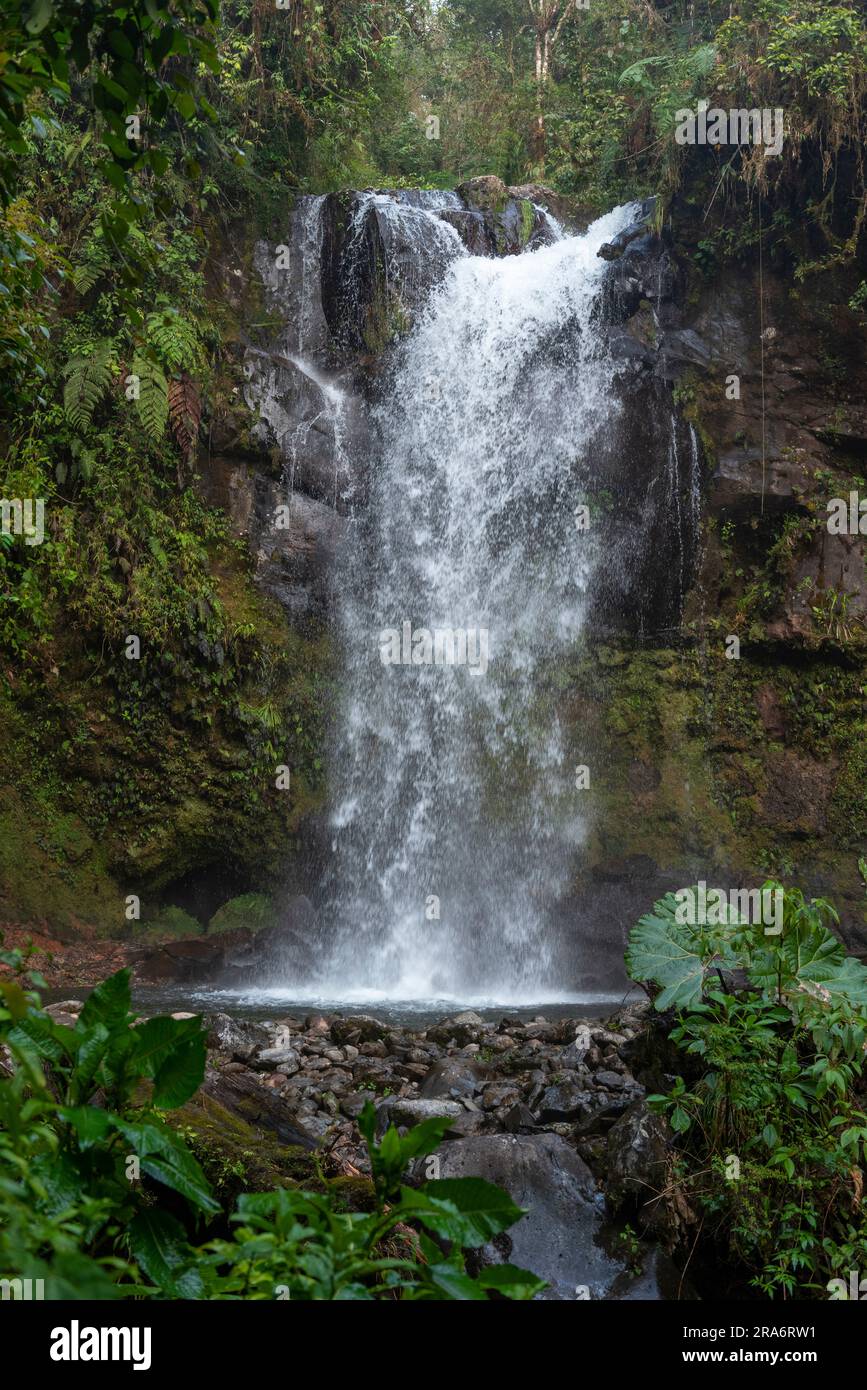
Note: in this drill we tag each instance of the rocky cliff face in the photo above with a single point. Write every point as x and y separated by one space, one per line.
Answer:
737 760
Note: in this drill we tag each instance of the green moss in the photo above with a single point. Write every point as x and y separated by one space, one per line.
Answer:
170 924
252 910
238 1157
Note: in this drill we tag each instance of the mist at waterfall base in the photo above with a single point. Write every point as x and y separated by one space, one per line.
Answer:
455 815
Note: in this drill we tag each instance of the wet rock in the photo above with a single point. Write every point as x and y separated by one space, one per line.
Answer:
637 1162
382 253
284 951
573 1055
236 1037
519 1120
499 223
201 960
499 1095
283 1058
660 1281
557 1237
605 1110
611 1080
566 1100
454 1078
353 1104
358 1028
242 1094
64 1006
399 1111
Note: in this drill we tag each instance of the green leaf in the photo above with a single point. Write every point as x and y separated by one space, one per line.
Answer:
514 1283
172 1052
158 1244
109 1003
455 1284
469 1211
676 955
90 1124
165 1157
814 964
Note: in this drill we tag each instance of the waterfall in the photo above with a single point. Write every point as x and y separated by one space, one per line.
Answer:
456 809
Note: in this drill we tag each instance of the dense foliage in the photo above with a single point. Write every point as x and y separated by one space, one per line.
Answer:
770 1114
101 1198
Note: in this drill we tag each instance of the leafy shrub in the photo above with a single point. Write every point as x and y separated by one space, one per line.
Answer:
772 1133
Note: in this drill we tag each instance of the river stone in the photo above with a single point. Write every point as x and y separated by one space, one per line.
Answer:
399 1111
455 1077
573 1056
360 1028
284 1057
556 1239
611 1080
239 1039
566 1100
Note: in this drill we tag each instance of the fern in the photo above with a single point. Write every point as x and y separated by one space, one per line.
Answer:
174 339
185 411
85 276
87 380
153 399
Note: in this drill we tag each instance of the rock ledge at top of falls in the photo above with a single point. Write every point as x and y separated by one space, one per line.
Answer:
384 249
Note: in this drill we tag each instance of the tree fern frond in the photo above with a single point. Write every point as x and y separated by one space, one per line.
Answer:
185 412
87 380
153 399
174 339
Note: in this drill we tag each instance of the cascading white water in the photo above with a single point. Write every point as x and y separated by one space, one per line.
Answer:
456 811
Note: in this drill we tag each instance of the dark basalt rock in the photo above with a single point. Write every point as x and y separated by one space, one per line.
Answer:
557 1237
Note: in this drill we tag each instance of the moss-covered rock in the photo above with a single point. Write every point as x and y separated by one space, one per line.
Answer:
254 911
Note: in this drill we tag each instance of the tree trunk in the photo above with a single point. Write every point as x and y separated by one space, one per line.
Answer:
537 139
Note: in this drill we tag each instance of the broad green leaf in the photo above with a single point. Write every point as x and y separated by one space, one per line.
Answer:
90 1124
167 1159
109 1003
469 1211
455 1284
158 1243
515 1283
678 955
172 1052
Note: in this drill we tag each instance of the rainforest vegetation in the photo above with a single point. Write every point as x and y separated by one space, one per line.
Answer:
143 148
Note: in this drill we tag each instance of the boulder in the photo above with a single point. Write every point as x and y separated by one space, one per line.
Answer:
567 1099
455 1077
499 223
406 1111
637 1163
242 1094
556 1239
237 1038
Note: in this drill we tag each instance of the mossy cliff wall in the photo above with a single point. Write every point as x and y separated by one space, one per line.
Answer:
735 761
